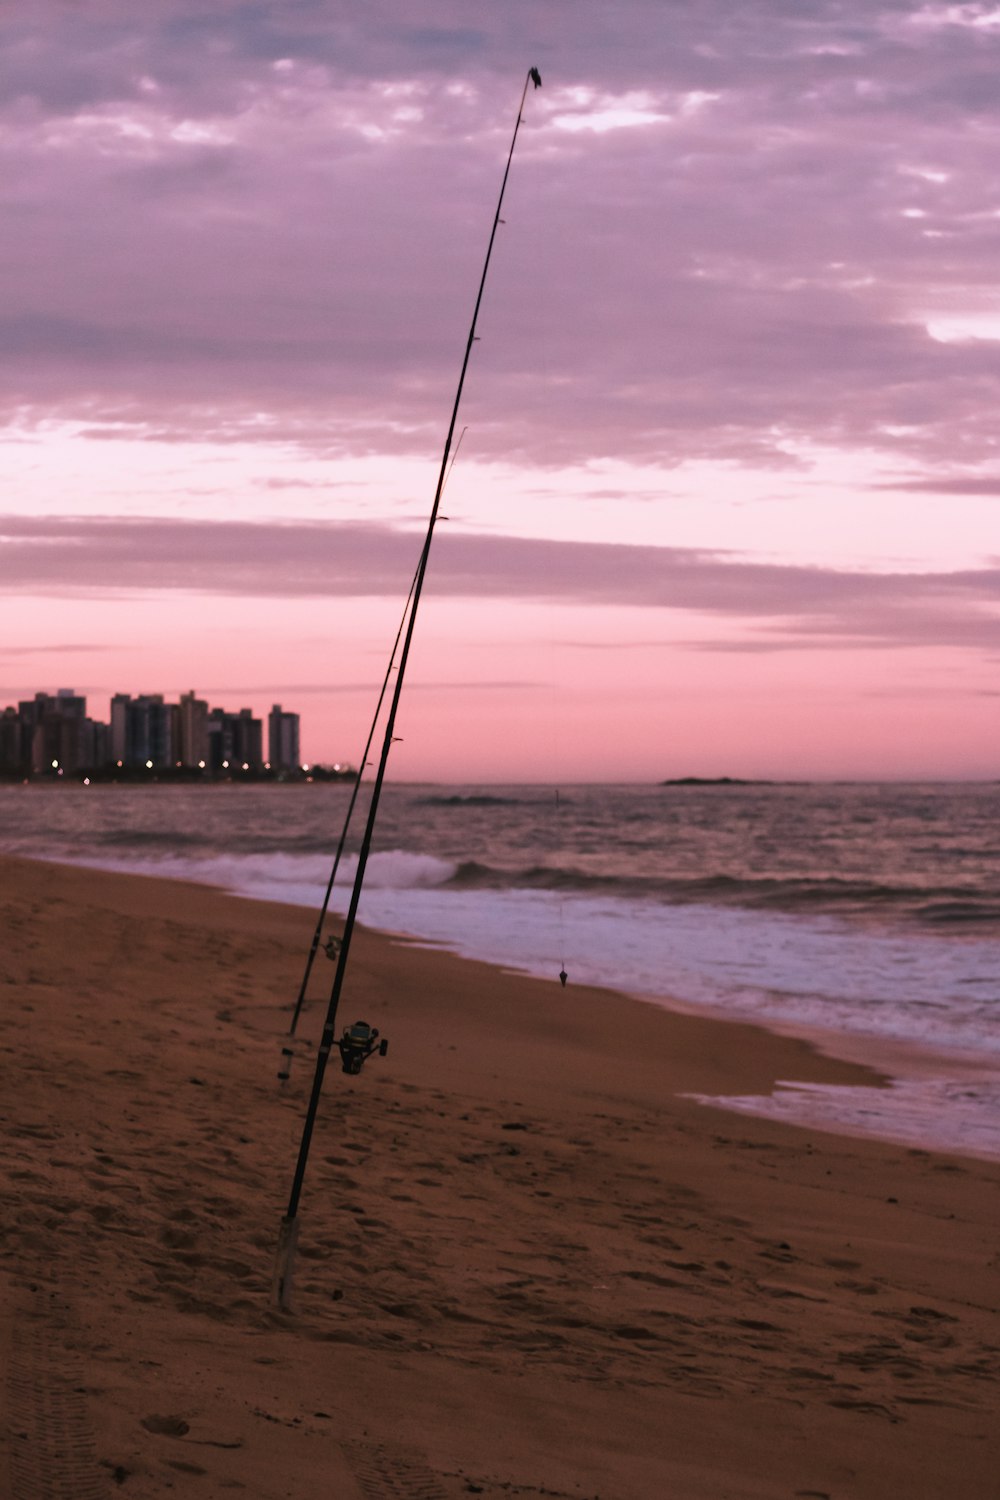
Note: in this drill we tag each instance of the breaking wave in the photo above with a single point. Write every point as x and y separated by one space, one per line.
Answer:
937 907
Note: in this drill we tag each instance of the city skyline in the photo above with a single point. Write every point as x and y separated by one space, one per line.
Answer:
726 499
53 735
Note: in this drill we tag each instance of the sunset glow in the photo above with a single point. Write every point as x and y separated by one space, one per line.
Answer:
726 502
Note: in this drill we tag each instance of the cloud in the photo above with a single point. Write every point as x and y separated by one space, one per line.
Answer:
268 220
789 606
326 689
944 484
60 648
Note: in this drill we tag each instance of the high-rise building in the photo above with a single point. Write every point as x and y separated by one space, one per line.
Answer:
119 728
12 758
53 731
154 725
235 740
143 730
97 745
192 739
283 740
249 740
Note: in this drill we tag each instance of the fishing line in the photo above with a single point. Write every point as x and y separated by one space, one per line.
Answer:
561 897
314 946
284 1066
289 1224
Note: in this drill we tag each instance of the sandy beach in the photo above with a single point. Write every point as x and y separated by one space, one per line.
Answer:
528 1264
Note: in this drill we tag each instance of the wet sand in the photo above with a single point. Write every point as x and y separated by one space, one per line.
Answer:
527 1264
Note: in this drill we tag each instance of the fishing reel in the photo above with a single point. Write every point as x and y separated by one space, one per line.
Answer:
357 1045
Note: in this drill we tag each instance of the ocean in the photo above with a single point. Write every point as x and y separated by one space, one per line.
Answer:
868 915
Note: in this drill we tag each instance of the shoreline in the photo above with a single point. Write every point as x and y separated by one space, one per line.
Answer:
836 1047
528 1262
895 1063
826 1065
911 1075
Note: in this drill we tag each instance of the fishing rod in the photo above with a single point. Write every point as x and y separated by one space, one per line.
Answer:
286 1052
563 976
284 1068
289 1224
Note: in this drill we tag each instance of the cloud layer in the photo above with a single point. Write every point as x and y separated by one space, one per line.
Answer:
784 606
727 225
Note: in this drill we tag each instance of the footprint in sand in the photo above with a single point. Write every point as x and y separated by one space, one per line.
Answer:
166 1426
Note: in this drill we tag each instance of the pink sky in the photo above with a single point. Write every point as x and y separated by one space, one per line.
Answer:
727 498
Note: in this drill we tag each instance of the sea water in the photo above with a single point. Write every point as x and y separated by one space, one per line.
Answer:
868 914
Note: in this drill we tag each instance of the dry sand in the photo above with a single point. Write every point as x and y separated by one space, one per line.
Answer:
527 1265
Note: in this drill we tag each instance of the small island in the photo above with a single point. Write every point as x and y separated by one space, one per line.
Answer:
712 781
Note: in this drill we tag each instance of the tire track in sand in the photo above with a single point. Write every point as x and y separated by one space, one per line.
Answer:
387 1472
53 1454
